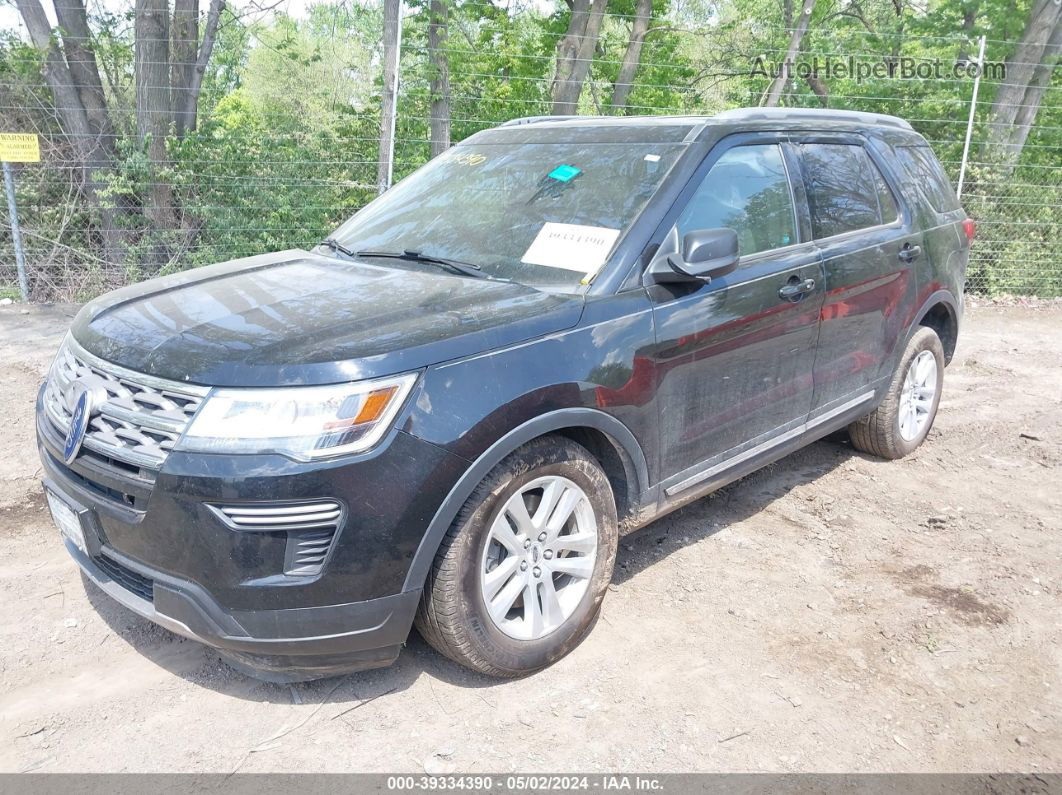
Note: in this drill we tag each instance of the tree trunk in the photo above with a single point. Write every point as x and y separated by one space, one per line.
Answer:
389 93
575 51
1030 103
95 156
440 76
189 102
154 112
84 72
568 51
184 49
1020 94
817 85
774 92
969 19
621 91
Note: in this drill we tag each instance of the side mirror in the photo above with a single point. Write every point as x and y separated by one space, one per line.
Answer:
706 254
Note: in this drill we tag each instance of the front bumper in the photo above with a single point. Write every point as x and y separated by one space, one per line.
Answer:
160 552
278 645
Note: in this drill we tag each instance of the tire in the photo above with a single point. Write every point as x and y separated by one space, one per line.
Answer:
880 432
453 615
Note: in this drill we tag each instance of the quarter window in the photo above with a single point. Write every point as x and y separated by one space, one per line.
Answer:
926 171
746 190
846 191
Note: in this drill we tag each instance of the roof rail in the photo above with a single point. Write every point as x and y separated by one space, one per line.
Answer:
536 119
812 114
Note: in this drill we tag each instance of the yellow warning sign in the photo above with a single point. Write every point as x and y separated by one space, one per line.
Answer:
20 148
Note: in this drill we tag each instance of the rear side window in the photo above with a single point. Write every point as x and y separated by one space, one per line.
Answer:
846 191
748 191
922 165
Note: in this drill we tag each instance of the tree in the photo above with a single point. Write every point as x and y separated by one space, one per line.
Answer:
575 51
72 73
154 109
621 89
1028 71
92 142
774 91
438 34
190 59
392 32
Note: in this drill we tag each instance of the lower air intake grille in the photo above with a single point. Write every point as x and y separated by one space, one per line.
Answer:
307 551
311 528
127 578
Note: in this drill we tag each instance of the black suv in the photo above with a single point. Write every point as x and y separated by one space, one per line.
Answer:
449 411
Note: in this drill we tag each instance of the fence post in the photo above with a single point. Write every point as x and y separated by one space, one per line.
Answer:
970 121
16 233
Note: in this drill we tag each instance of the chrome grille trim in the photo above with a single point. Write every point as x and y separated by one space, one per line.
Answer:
281 516
143 416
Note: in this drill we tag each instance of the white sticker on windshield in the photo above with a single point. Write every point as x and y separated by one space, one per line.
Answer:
571 246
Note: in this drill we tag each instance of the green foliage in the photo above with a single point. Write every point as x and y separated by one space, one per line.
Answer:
289 118
250 185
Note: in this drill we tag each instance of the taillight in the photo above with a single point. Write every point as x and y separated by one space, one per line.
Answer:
970 228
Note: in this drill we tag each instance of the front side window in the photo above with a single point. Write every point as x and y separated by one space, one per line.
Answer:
544 214
846 191
748 191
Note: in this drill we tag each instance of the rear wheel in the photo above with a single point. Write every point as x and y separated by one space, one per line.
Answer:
519 578
903 420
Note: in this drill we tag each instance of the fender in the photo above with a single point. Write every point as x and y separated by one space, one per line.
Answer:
939 297
545 423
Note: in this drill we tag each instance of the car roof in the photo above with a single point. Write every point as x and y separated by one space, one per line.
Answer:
683 129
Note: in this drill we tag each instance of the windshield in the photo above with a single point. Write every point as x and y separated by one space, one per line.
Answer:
546 215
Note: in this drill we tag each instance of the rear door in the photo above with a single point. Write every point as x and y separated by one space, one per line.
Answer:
870 247
733 358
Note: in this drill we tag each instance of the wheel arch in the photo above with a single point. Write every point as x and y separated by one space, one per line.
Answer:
940 313
608 440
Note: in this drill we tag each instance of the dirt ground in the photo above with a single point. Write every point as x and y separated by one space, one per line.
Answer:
830 613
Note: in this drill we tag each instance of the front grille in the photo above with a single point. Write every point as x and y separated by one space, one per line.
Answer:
126 577
139 422
101 489
311 528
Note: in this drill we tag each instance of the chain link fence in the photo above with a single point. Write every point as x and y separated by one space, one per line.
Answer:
288 181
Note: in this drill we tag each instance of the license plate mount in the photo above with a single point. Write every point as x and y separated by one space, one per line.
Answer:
67 519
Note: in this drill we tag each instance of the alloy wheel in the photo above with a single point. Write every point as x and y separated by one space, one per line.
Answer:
539 557
917 396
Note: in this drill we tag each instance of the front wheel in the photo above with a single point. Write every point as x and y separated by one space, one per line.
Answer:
519 578
902 421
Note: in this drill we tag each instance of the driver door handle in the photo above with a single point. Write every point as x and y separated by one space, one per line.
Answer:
795 290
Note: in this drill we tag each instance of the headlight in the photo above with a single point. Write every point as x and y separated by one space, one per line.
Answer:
303 422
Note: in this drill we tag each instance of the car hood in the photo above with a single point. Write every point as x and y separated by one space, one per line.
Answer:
297 318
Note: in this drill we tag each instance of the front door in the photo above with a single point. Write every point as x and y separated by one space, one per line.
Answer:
734 357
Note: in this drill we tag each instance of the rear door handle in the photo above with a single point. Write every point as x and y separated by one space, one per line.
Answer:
795 290
909 253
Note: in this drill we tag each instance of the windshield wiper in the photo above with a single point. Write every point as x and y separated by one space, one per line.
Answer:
466 268
335 245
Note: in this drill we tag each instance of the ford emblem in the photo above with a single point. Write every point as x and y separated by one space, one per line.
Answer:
78 425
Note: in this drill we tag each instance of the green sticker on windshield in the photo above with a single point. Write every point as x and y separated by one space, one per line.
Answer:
564 173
